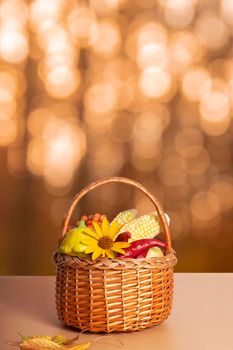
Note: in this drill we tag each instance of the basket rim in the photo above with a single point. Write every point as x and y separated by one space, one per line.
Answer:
164 262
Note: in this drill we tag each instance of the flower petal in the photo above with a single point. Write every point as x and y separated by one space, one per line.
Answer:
121 244
110 253
97 253
89 250
105 225
89 241
90 232
118 250
97 229
114 228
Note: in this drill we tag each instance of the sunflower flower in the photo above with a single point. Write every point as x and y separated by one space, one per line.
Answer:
100 240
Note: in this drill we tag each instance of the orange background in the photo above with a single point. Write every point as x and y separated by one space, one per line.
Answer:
141 89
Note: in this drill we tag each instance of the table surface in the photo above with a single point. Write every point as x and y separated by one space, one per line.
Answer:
201 319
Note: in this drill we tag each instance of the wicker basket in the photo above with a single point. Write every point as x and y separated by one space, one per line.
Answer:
114 294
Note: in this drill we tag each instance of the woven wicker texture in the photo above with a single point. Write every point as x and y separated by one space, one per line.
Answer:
114 294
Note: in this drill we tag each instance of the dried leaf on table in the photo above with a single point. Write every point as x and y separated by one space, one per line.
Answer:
60 339
57 342
26 337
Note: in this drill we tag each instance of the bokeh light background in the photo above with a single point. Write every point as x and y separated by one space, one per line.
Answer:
142 89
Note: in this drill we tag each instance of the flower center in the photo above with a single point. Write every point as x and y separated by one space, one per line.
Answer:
105 242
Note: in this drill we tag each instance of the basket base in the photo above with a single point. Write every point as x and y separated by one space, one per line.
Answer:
120 327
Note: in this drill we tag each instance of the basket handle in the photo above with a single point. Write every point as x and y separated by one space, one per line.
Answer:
124 180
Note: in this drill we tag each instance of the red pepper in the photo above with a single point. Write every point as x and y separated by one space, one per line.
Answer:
140 245
142 254
123 237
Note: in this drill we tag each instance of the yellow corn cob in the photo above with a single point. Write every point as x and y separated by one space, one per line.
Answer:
146 226
168 219
125 217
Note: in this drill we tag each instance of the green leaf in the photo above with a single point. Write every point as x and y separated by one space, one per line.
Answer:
82 224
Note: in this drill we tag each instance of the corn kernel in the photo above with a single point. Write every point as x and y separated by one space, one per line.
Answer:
146 226
125 217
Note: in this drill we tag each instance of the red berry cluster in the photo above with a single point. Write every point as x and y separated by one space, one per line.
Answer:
96 217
